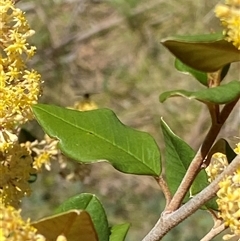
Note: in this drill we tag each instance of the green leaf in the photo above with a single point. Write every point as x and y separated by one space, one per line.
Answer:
223 147
224 71
178 157
207 53
75 225
95 135
219 95
119 232
200 76
93 206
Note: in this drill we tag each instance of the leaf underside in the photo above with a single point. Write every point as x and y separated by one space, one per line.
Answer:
75 225
207 53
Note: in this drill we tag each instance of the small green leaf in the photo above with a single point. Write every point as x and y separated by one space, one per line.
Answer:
91 136
207 53
200 76
223 147
93 206
75 225
25 135
119 232
32 178
219 95
224 71
178 156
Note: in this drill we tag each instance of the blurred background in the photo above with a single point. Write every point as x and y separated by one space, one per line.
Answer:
110 50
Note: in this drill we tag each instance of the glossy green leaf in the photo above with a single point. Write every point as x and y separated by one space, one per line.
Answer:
95 135
178 157
219 95
93 206
75 225
119 232
207 53
200 76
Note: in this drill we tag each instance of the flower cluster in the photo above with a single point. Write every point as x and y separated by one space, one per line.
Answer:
13 227
229 193
84 105
229 200
19 86
229 14
19 90
15 168
218 163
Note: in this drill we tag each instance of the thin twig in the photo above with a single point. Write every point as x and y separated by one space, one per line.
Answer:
163 185
214 112
169 220
214 217
214 232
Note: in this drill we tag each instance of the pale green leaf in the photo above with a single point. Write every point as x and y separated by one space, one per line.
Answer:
119 232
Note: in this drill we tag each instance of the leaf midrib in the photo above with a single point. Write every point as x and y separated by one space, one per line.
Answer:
101 138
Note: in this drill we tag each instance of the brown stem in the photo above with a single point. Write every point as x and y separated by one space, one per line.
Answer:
214 112
196 163
169 220
214 217
163 185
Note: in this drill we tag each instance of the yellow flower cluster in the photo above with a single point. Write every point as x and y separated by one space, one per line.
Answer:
85 105
45 150
15 169
19 90
19 86
14 228
229 193
218 163
229 14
